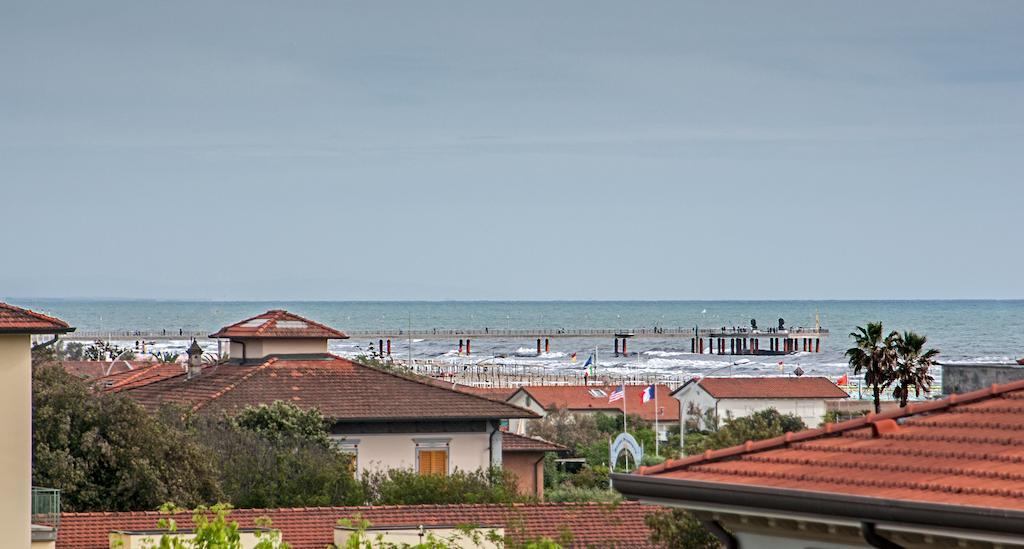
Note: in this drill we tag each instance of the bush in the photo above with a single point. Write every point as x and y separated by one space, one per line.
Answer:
676 528
576 494
407 487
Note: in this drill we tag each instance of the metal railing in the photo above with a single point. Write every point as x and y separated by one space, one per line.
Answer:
46 507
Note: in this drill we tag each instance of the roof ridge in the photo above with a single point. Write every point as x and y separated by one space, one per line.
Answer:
228 388
832 429
116 388
30 312
432 385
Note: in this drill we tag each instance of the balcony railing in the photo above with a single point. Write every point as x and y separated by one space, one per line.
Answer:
45 507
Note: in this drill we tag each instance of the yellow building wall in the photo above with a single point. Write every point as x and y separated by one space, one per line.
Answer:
16 440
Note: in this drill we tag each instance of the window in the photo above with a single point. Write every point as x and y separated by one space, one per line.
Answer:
598 393
349 446
432 456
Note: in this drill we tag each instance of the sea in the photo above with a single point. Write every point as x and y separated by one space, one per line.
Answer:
963 331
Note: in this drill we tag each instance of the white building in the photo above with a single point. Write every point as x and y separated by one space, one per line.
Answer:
719 398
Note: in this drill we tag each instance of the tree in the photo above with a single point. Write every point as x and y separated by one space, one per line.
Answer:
757 426
105 453
875 356
678 529
912 366
284 421
277 456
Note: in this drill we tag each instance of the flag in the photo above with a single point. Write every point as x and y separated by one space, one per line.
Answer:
845 380
618 394
572 358
590 360
648 394
589 365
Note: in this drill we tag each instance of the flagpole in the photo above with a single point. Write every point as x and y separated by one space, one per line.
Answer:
657 434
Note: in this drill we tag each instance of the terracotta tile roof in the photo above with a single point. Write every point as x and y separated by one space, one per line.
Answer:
150 372
580 398
341 389
771 387
15 320
279 323
590 524
494 393
511 442
963 450
91 369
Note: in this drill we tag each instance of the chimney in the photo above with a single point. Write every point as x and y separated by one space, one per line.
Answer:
195 360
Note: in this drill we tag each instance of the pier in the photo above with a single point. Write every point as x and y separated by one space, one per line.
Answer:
719 341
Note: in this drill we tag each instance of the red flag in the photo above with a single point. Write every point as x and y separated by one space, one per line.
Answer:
845 380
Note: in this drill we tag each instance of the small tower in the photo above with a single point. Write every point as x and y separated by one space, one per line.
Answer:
195 359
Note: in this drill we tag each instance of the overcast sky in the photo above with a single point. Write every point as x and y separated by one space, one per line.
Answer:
512 150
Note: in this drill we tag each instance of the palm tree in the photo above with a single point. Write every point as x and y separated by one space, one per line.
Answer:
875 356
912 364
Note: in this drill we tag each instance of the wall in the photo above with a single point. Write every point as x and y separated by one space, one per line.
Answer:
256 349
466 451
523 400
16 442
964 378
529 470
810 410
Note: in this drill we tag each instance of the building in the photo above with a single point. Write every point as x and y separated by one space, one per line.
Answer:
940 473
593 399
20 526
587 524
524 456
725 397
384 419
963 378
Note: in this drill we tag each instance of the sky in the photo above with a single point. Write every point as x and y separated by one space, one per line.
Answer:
512 150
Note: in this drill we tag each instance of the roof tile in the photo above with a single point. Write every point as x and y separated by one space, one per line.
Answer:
23 321
963 450
590 524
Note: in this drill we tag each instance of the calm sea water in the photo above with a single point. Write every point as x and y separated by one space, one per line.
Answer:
964 331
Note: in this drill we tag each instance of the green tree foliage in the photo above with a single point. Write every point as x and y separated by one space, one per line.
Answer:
678 529
407 487
912 365
759 425
104 452
212 530
875 356
104 350
278 456
284 421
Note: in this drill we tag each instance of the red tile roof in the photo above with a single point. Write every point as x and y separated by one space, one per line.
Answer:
579 398
279 323
15 320
493 393
91 369
963 450
771 387
511 442
150 372
341 389
589 524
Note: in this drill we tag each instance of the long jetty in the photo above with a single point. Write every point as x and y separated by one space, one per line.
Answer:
722 341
